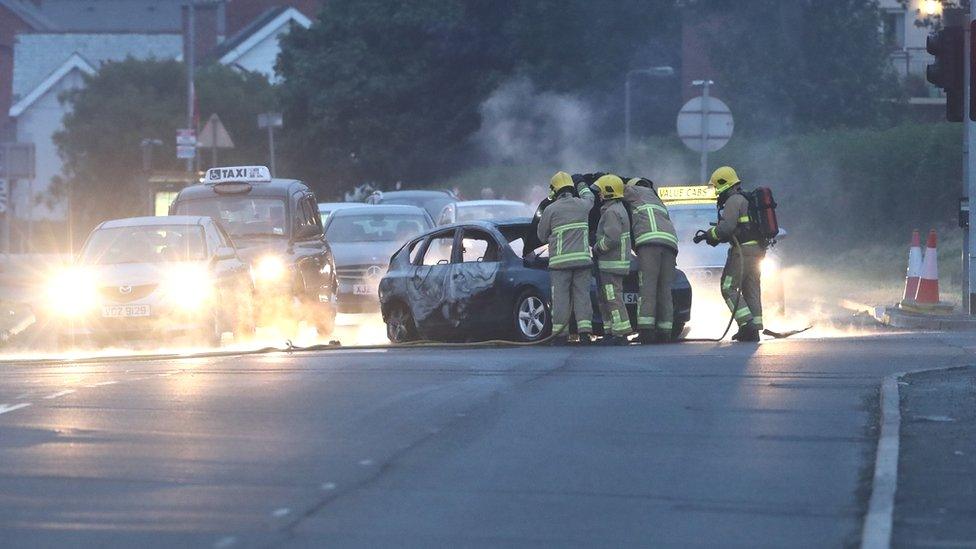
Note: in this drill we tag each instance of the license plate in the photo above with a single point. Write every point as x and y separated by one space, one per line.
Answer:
361 289
630 298
125 311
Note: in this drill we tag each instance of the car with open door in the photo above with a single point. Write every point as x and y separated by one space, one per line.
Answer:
482 280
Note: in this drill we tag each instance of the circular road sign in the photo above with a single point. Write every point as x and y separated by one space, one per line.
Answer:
711 126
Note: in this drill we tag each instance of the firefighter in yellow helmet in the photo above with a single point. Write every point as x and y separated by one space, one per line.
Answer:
656 245
565 226
612 250
746 252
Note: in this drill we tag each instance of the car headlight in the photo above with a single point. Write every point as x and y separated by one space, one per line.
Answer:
269 268
72 292
188 287
769 267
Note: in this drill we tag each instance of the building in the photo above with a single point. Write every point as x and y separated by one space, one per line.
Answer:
906 39
47 45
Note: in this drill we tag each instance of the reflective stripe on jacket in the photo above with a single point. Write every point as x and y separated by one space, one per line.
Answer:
613 238
733 218
650 221
565 226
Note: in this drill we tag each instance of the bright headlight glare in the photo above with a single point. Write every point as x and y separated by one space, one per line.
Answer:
269 268
769 267
72 292
188 287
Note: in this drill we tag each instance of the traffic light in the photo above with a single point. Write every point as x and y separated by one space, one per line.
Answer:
947 71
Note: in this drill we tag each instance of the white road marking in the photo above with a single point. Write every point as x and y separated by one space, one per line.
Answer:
4 408
59 394
366 462
102 384
328 486
225 541
278 513
21 396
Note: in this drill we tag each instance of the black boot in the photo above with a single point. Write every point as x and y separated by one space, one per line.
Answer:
748 334
663 336
612 341
646 337
585 339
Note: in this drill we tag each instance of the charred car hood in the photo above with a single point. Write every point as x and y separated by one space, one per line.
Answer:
363 253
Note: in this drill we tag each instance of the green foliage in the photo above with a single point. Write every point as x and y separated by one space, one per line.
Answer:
128 101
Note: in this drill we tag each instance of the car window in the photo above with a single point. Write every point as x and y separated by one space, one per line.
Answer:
415 251
146 244
376 227
240 216
478 246
440 249
213 239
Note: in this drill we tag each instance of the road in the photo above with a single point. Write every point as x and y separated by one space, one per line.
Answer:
679 445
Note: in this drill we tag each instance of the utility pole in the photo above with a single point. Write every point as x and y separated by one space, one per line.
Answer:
190 62
969 171
654 72
270 120
703 169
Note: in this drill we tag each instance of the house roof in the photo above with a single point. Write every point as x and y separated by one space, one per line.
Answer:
113 15
29 13
230 50
72 63
38 55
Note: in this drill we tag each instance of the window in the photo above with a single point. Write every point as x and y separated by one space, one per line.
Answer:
415 251
478 246
146 244
240 216
440 249
893 29
375 227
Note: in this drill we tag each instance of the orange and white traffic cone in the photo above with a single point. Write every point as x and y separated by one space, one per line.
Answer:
928 284
914 268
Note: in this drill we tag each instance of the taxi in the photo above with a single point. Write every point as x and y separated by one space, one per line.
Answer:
694 207
276 226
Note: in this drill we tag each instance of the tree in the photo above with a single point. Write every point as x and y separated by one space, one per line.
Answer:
789 66
131 100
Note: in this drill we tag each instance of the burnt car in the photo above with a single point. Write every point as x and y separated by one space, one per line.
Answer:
276 227
362 239
485 279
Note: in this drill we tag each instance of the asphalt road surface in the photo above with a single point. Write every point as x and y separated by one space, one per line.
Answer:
681 445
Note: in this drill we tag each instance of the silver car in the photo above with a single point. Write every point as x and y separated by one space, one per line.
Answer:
483 210
152 277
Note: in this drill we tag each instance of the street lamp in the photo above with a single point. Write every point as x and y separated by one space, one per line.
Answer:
930 7
653 72
270 120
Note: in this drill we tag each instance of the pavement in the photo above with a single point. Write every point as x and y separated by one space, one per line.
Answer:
935 505
694 444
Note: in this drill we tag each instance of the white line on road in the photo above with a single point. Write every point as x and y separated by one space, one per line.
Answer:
102 383
59 394
4 408
328 486
225 542
366 462
278 513
876 533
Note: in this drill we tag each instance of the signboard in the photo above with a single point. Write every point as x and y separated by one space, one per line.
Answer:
186 137
688 194
214 134
705 125
238 174
269 120
17 160
186 151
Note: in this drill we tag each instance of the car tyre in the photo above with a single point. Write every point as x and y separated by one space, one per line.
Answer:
530 317
400 326
677 330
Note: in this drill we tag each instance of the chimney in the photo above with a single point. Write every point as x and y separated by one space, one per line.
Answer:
206 25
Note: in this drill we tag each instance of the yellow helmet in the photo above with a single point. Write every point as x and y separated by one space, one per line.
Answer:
724 179
559 182
611 187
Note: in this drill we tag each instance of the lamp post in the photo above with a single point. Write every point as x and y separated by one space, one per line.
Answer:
653 72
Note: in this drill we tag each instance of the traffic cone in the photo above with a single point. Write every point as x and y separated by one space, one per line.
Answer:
914 267
928 284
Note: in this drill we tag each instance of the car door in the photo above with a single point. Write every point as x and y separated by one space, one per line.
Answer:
474 288
311 248
429 287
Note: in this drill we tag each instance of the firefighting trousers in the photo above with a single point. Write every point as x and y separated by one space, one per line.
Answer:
571 296
655 306
749 308
612 308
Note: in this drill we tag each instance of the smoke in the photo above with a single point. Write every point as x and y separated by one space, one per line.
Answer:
523 126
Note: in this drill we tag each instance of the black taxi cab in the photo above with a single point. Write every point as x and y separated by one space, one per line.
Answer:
277 229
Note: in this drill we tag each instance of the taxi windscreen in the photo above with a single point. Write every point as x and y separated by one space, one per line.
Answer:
241 215
375 228
687 220
156 244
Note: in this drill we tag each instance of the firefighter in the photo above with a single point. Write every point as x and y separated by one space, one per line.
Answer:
565 226
657 249
746 252
613 259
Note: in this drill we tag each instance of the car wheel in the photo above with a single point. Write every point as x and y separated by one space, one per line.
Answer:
531 317
400 327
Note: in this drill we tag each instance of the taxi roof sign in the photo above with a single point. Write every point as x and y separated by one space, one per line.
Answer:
237 174
688 194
